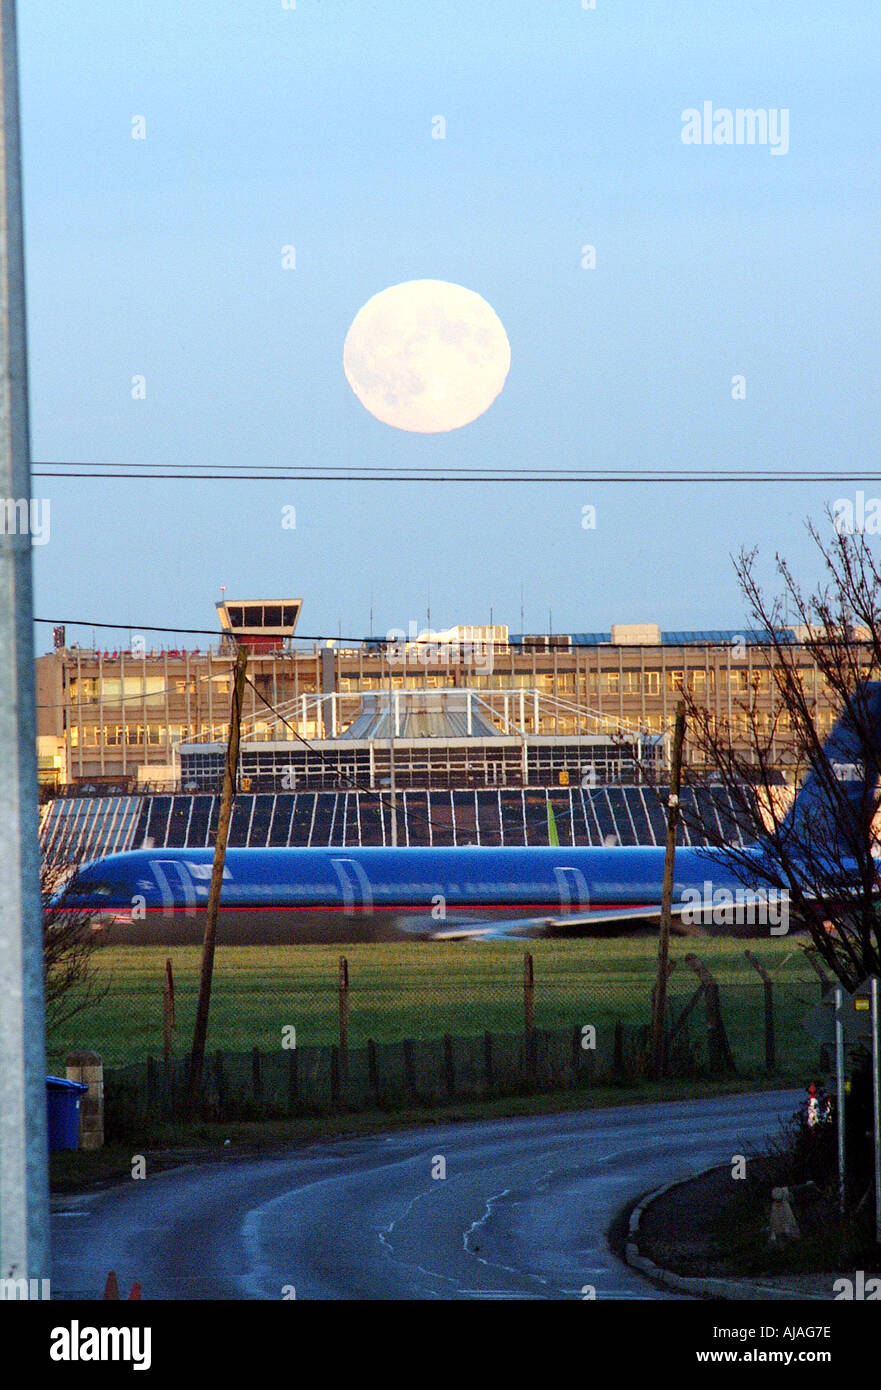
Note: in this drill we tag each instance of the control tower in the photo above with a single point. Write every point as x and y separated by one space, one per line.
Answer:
261 625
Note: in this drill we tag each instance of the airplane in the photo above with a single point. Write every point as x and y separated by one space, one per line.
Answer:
443 894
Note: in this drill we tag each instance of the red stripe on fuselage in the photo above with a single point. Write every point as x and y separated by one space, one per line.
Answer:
377 907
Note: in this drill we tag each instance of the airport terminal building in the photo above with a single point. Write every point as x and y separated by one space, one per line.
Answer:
491 737
469 707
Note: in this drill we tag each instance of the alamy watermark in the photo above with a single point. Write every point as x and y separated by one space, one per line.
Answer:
720 125
20 516
413 648
28 1290
742 907
858 515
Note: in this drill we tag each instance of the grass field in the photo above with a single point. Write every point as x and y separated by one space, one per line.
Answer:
422 990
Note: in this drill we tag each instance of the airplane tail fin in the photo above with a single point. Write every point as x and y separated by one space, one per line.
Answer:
838 798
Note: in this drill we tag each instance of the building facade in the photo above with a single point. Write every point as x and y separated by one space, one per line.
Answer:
119 719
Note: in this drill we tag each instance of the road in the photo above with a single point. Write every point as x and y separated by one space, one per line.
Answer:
521 1212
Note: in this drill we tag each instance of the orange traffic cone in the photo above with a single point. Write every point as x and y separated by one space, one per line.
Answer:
111 1288
136 1291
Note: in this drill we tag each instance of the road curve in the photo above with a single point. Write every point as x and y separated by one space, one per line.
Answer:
521 1213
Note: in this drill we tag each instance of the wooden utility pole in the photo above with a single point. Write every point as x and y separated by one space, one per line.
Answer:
660 994
200 1031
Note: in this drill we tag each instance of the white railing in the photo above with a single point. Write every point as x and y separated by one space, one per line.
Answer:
519 713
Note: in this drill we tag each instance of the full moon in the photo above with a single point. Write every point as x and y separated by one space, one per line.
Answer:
426 356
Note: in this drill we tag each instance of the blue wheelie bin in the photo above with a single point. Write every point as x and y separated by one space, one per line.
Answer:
63 1112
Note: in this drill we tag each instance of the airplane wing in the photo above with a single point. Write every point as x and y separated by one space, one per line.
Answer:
602 921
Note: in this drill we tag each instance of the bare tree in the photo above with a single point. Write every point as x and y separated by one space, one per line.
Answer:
823 856
69 940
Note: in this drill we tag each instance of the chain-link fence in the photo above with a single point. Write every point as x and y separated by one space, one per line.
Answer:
393 1024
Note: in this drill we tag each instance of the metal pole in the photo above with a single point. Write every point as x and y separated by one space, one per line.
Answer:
391 755
876 1082
839 1090
24 1191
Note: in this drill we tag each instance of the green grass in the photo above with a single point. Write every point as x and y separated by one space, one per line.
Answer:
425 989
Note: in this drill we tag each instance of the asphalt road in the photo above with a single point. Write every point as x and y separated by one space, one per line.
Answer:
521 1213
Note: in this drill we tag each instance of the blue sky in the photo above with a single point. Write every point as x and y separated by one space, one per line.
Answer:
268 127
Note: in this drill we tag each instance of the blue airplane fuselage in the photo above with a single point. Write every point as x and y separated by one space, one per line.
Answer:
338 894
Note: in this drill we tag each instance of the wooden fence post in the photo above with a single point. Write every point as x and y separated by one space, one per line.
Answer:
528 993
344 1022
257 1073
220 1079
409 1068
618 1049
717 1041
293 1080
449 1068
373 1069
167 1010
529 1039
825 986
344 1004
768 990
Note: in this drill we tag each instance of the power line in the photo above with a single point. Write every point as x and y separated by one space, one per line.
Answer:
143 469
523 647
415 475
179 631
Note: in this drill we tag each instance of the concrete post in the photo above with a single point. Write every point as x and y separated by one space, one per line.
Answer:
24 1186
